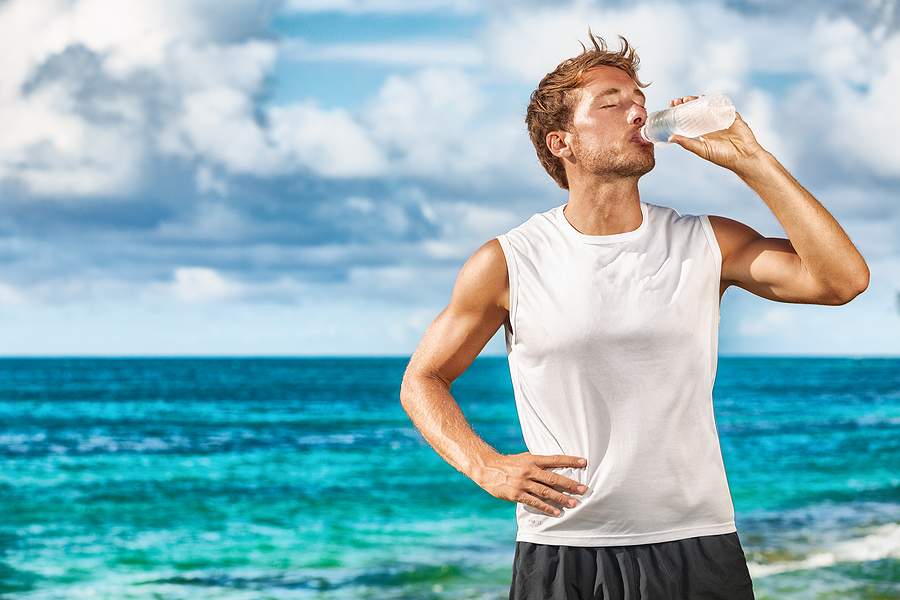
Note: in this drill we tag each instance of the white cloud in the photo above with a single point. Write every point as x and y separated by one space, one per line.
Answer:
204 65
210 221
399 285
53 151
360 204
840 52
208 182
437 123
138 54
683 54
725 67
420 119
216 124
444 249
470 221
177 78
328 141
424 52
417 125
863 124
527 44
10 294
772 321
200 284
172 82
760 110
869 324
382 6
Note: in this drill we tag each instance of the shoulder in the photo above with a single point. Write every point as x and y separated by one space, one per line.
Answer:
731 234
662 213
483 278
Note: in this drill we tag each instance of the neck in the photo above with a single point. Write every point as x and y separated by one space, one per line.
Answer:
604 207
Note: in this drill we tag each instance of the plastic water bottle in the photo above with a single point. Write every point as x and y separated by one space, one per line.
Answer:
695 117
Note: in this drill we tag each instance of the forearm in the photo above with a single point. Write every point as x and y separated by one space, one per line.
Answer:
822 244
436 414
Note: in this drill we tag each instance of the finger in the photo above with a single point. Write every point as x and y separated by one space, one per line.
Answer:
542 491
526 498
559 460
687 143
557 480
682 100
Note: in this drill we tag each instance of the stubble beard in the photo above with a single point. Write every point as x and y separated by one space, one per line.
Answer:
616 163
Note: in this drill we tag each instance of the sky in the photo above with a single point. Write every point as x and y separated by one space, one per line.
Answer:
307 177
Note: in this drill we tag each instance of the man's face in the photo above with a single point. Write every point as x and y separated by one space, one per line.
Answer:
604 124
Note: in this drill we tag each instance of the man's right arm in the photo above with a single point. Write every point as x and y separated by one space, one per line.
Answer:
478 306
450 344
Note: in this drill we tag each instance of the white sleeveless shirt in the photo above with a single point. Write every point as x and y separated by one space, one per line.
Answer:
612 343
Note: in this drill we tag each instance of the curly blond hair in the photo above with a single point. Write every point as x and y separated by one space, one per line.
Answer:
554 100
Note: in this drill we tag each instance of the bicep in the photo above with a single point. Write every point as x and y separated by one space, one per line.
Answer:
471 318
764 266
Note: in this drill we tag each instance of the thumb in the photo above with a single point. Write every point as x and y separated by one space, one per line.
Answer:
685 142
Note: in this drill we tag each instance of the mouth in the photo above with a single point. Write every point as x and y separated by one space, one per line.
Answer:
637 139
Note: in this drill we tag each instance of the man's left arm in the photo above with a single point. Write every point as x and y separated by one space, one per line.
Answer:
817 264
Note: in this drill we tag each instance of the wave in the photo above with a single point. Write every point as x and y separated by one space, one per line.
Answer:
198 440
879 543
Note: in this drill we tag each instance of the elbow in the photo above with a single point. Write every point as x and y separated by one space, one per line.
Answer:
850 291
407 384
863 282
838 293
408 388
413 382
406 401
405 391
859 285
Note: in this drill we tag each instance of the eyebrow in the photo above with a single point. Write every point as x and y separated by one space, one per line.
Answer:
617 90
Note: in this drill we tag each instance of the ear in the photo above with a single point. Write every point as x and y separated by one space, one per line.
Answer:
558 143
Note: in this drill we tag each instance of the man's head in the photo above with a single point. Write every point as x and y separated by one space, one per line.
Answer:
575 123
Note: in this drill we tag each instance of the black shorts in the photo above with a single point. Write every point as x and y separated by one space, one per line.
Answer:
707 566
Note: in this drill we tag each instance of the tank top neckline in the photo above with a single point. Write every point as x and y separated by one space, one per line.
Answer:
570 230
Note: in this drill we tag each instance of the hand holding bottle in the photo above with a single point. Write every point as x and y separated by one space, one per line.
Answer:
730 148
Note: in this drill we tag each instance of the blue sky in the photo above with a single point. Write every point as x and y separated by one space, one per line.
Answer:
307 177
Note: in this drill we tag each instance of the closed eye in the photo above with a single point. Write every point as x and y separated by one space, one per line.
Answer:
612 105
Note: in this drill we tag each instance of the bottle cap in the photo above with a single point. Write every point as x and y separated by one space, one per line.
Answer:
643 135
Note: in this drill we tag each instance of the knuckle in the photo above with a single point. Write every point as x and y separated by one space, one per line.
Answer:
544 492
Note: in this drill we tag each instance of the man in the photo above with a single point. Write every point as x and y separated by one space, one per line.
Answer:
610 306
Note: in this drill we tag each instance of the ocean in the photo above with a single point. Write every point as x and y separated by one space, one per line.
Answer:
283 478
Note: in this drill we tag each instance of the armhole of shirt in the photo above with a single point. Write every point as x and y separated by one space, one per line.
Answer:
713 245
717 259
513 277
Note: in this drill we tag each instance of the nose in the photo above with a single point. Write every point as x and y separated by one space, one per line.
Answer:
638 115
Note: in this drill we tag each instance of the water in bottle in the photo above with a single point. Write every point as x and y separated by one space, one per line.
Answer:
695 117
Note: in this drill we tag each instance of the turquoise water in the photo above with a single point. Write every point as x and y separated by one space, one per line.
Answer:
304 478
